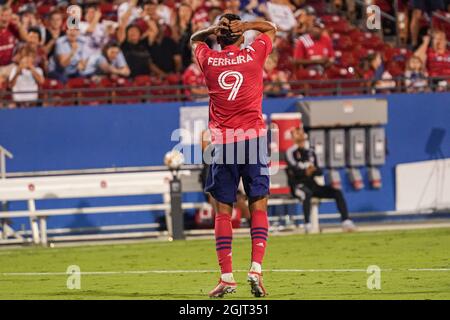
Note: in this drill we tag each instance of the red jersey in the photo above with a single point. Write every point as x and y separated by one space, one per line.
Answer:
8 39
234 78
193 76
308 48
438 64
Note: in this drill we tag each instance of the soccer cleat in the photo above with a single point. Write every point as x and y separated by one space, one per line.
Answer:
256 284
348 226
222 289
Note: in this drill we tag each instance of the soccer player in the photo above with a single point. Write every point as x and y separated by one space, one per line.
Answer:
234 78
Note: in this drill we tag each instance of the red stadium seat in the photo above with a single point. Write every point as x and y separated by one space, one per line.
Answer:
100 93
384 5
173 93
395 69
77 85
342 42
53 93
143 82
356 35
350 84
372 41
313 85
163 92
124 92
345 59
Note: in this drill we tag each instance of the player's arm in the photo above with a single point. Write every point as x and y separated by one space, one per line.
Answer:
201 35
266 27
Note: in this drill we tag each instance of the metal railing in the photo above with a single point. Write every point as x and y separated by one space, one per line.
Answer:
176 93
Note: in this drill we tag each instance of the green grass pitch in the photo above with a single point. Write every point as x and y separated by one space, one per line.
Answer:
299 267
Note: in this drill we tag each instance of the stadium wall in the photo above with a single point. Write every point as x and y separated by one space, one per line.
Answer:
139 135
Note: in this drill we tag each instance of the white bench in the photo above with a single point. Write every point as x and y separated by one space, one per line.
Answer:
31 189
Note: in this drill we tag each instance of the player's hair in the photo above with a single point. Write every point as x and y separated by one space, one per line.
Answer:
226 38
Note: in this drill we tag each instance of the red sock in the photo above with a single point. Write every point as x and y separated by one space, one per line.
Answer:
259 232
224 236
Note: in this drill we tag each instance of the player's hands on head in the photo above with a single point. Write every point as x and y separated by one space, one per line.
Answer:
237 27
218 28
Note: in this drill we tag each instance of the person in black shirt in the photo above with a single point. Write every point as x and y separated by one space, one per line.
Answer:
164 52
302 170
53 32
136 52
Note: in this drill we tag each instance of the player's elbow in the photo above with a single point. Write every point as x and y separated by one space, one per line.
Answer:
274 27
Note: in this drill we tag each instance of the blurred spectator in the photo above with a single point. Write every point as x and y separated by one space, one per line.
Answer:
136 51
34 46
349 6
154 11
275 80
415 75
419 8
233 6
53 32
314 50
305 20
253 7
128 11
380 78
93 30
24 81
70 56
28 18
280 13
112 62
11 31
437 56
182 31
200 17
164 52
193 77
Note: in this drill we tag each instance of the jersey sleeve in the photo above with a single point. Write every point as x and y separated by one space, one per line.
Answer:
262 46
299 50
330 47
201 53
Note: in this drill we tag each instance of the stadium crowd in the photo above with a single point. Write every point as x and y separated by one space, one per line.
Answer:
145 43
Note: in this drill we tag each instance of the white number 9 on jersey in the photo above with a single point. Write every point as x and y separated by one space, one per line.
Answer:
233 86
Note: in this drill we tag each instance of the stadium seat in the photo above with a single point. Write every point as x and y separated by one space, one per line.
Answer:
372 41
350 84
78 92
345 59
314 85
342 42
395 69
384 5
53 93
163 92
143 83
124 92
101 91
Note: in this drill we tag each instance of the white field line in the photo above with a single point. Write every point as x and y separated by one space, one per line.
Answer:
208 271
438 269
